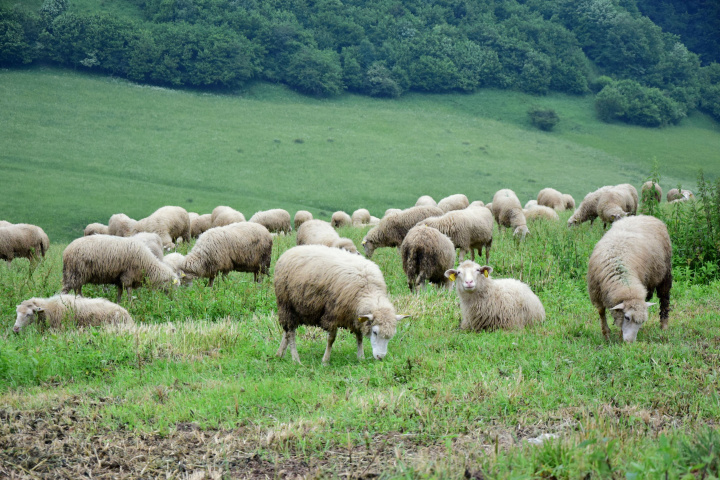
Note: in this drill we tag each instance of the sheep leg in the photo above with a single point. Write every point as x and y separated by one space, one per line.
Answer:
604 325
360 352
487 253
283 345
331 339
212 281
119 293
463 254
293 347
663 293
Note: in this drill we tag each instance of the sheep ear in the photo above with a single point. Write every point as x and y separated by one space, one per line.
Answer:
619 306
648 304
400 317
365 318
451 274
364 241
486 270
38 309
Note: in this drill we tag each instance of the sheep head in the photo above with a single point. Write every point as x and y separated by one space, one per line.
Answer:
630 315
468 275
26 314
380 326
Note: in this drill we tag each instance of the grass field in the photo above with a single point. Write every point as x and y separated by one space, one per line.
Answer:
76 149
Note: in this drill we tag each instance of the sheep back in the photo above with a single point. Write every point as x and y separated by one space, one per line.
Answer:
96 229
360 217
650 190
426 255
340 219
392 229
549 197
276 220
507 210
121 225
223 215
170 222
199 223
301 216
454 202
23 240
468 229
426 200
540 212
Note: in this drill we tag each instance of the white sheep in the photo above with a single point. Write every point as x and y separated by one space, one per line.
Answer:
426 200
320 232
650 190
681 196
631 261
301 216
107 259
617 202
199 223
454 202
477 203
587 210
426 255
508 212
223 215
175 261
152 241
489 304
239 247
530 204
549 197
276 220
469 229
23 240
63 309
121 225
392 211
96 229
170 222
360 217
541 212
340 219
392 229
330 288
569 201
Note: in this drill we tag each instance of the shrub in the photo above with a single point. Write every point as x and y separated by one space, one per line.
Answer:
543 118
316 72
633 103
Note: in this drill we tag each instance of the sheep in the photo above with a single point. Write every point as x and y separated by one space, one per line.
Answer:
651 190
276 220
469 229
677 195
106 259
549 197
95 229
23 240
489 304
199 223
392 228
302 216
170 222
240 247
453 202
5 223
508 212
392 211
340 219
569 201
630 262
320 232
121 225
175 260
587 210
477 203
426 254
631 197
530 204
57 310
152 241
360 217
617 202
223 215
374 221
541 212
426 200
330 288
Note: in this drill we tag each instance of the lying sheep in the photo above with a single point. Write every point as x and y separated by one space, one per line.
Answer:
276 220
121 225
170 222
223 215
677 195
588 208
549 197
330 288
508 212
320 232
23 240
630 262
360 217
453 202
426 254
106 259
96 229
61 309
239 247
426 200
199 223
302 216
340 219
651 190
569 201
489 304
469 229
392 228
540 212
152 241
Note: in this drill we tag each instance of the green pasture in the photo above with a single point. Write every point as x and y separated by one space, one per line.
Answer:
76 149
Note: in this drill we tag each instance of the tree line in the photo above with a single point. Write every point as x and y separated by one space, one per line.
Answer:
382 48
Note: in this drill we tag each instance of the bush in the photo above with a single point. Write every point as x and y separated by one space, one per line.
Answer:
543 118
316 72
633 103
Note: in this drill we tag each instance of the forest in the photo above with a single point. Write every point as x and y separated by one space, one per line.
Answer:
648 63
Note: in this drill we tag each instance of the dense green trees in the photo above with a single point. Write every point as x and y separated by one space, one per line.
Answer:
384 48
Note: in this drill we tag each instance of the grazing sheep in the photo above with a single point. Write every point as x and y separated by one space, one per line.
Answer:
106 259
152 241
96 229
22 240
489 206
223 215
360 217
508 212
302 216
426 200
453 202
4 223
392 211
276 220
340 219
169 222
631 197
175 260
199 223
239 247
477 203
531 204
121 225
540 212
489 304
330 288
569 201
630 262
617 202
681 196
426 254
469 229
650 190
549 197
588 208
83 312
374 221
320 232
392 228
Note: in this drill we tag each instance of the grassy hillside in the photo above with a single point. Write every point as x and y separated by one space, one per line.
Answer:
75 149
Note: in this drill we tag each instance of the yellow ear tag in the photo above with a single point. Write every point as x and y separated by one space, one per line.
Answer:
364 242
485 272
362 319
452 277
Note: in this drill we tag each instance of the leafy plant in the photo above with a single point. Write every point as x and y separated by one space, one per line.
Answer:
543 118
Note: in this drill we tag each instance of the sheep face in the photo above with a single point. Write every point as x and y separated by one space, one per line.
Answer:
520 232
26 314
630 315
469 276
369 247
382 327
